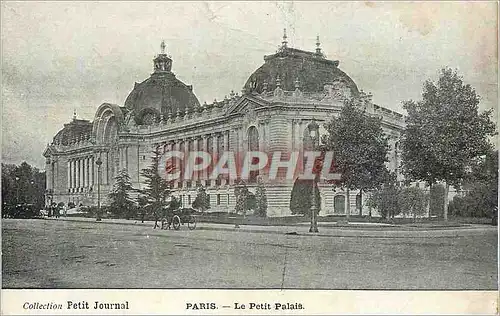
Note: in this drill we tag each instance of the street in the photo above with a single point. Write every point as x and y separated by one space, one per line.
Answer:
65 254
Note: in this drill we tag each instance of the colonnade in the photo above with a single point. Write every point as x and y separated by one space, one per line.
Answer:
81 173
212 143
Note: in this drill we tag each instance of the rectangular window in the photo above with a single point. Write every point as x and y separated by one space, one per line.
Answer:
189 199
218 199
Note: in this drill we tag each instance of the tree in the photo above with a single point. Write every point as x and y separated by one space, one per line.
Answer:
444 132
261 199
202 200
300 198
360 149
157 189
481 185
436 200
413 201
387 198
121 203
245 200
22 184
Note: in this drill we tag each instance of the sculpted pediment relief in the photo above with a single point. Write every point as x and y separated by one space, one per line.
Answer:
246 106
337 90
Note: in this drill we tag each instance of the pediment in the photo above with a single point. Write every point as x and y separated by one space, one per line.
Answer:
245 104
49 151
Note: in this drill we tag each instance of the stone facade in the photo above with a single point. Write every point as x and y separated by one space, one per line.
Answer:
277 104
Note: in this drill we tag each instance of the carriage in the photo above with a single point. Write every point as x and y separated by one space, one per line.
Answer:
175 218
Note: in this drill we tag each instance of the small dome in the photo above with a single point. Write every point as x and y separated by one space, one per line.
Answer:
312 70
73 132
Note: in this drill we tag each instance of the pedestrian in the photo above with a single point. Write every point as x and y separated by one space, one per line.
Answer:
57 209
65 210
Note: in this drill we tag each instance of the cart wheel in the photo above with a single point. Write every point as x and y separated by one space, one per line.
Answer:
192 222
176 222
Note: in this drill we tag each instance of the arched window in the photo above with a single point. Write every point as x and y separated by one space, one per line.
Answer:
253 145
253 139
339 204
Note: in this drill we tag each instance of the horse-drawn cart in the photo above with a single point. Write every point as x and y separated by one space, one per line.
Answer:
176 218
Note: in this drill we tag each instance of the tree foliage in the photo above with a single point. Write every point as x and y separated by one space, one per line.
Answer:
392 199
386 199
444 131
22 184
157 190
261 199
202 200
245 200
481 199
360 147
121 203
437 194
300 198
413 202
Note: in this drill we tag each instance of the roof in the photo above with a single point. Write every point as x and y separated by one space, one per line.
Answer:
161 93
311 69
73 131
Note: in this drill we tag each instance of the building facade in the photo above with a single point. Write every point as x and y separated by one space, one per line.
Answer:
280 99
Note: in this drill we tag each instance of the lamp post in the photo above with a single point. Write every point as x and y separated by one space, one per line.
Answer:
17 191
313 133
98 163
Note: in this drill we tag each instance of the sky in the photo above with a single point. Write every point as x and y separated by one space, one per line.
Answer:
60 57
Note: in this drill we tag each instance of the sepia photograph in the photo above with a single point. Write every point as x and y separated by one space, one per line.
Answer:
248 146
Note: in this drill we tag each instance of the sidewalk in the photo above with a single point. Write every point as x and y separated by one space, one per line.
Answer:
327 229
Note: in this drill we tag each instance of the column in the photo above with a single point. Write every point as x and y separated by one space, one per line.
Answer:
225 147
70 174
84 176
260 129
67 175
83 172
204 148
92 163
87 172
104 177
73 177
126 158
121 163
215 152
190 145
77 185
176 146
194 147
242 146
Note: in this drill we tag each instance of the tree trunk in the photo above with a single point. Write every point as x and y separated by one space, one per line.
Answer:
347 204
429 203
445 207
360 203
370 209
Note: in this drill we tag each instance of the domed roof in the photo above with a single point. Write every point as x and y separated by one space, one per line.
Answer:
161 93
73 131
312 70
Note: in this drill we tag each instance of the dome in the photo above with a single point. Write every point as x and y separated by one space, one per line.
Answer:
160 94
73 132
312 70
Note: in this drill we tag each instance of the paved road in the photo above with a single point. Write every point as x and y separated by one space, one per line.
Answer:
65 254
